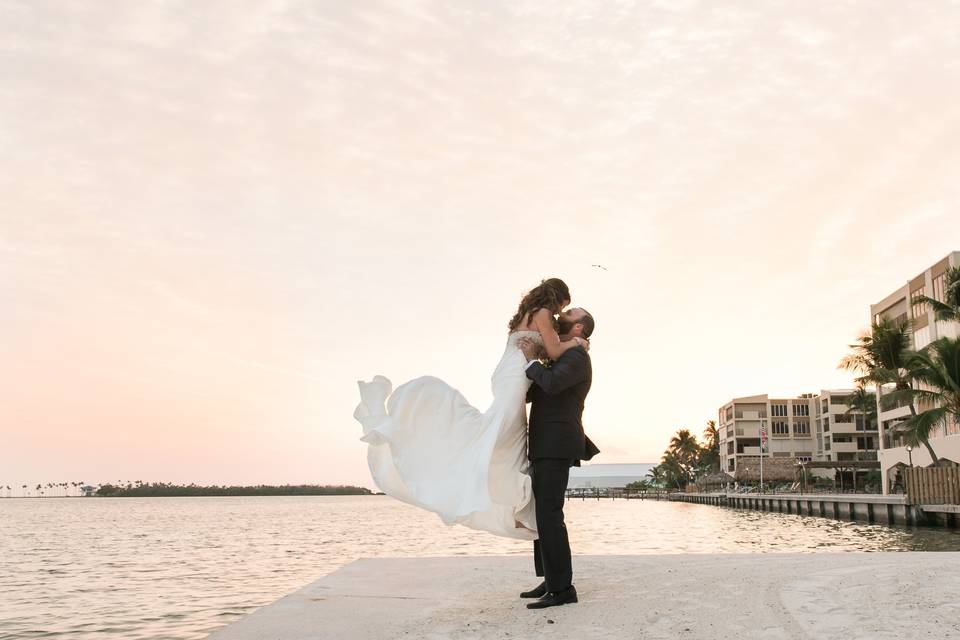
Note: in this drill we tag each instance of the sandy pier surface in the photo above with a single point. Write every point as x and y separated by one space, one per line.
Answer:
770 596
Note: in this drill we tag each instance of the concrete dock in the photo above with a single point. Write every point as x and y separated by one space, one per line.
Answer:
770 596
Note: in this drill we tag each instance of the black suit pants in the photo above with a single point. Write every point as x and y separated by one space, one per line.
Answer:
551 553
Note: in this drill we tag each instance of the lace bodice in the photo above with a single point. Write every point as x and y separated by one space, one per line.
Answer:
530 335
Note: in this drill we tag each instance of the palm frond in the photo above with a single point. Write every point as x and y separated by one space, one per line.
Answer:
941 310
918 427
903 397
941 364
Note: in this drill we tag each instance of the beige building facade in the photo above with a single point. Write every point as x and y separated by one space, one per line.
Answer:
843 434
904 304
808 427
787 422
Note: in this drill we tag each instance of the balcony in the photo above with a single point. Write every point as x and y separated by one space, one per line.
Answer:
845 427
748 431
845 447
750 451
895 412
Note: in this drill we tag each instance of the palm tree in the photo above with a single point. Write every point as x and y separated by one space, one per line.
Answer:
884 357
686 450
949 307
640 486
863 402
673 470
709 457
938 368
656 476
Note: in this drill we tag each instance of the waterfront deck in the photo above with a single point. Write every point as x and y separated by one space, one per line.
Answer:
856 507
770 596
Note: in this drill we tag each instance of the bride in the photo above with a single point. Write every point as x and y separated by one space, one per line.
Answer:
429 447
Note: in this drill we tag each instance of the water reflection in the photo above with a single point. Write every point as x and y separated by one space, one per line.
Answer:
178 567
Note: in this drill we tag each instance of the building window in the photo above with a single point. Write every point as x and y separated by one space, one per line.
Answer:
730 446
801 409
843 417
779 410
780 428
729 413
940 287
865 443
953 426
804 457
921 338
801 427
826 424
917 307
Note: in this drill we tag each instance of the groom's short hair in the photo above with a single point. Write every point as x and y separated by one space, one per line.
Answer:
587 322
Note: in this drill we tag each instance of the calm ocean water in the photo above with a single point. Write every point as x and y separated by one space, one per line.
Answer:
177 568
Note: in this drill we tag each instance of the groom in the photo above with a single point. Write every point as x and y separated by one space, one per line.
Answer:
555 443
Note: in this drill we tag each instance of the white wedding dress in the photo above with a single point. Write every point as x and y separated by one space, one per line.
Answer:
429 447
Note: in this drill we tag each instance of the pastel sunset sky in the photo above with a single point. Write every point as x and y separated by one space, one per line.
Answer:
217 217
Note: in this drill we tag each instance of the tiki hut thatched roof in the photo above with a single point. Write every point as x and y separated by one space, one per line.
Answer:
774 469
715 479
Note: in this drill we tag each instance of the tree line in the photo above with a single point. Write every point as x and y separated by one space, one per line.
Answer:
44 490
685 459
138 488
165 489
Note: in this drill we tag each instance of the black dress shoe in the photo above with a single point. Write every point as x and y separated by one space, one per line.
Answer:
537 592
555 598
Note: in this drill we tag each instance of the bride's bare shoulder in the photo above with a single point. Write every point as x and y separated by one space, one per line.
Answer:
536 320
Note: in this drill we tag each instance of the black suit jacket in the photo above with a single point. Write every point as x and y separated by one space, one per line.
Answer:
557 396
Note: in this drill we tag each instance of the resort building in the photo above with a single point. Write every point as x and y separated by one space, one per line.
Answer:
810 427
786 422
904 304
843 434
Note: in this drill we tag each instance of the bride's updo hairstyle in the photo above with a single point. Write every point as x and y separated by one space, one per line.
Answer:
549 294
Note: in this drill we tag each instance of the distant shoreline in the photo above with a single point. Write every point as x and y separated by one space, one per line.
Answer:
140 489
238 495
166 490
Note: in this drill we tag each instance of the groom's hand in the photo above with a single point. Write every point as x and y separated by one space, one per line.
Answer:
528 347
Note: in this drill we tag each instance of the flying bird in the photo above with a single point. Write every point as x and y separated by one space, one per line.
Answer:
599 266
